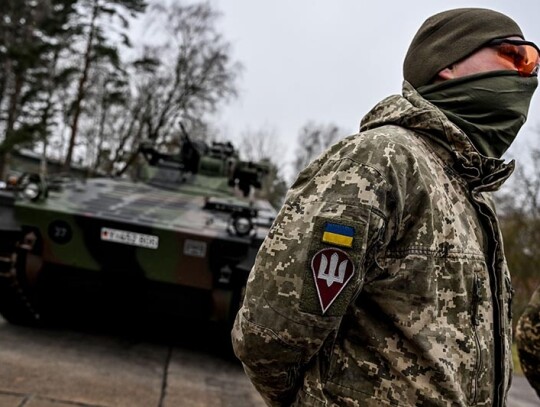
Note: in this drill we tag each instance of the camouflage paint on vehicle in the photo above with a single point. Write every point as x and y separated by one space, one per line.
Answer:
169 239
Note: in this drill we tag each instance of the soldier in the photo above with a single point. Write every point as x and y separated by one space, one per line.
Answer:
528 341
383 279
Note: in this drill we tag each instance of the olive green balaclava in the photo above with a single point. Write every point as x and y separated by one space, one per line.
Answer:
490 107
450 36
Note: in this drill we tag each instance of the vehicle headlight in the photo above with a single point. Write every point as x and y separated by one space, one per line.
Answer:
32 187
242 225
31 191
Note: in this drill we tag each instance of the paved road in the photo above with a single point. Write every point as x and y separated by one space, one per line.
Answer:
74 368
66 368
522 394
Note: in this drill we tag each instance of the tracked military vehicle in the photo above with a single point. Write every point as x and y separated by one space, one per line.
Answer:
178 241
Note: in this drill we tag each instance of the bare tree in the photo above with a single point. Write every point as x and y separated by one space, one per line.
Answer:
313 139
184 78
196 72
263 146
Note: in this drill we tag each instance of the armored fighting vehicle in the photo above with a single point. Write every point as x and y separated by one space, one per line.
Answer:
178 241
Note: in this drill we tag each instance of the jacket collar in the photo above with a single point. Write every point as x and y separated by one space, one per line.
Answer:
413 112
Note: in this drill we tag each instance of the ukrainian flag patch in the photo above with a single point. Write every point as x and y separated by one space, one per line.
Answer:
338 235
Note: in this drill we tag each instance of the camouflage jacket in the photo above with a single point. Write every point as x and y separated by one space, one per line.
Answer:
528 341
383 281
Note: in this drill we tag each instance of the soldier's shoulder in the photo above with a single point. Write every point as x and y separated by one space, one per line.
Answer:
387 141
529 322
384 148
535 299
373 156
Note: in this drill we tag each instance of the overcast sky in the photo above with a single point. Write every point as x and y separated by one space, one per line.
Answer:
330 61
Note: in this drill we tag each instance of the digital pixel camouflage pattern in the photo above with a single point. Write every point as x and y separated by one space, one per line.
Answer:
528 341
425 318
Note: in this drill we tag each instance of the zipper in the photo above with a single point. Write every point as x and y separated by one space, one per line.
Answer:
475 302
511 292
496 288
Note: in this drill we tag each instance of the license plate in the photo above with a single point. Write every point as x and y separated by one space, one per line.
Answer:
129 238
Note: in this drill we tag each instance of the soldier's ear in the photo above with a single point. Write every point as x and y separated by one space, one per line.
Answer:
445 74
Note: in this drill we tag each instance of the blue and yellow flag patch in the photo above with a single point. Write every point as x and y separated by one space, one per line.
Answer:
338 235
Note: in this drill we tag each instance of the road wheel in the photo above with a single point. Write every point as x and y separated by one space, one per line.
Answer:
17 305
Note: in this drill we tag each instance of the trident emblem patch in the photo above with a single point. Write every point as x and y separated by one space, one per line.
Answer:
332 269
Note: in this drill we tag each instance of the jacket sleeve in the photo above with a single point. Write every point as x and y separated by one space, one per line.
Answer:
528 341
295 299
